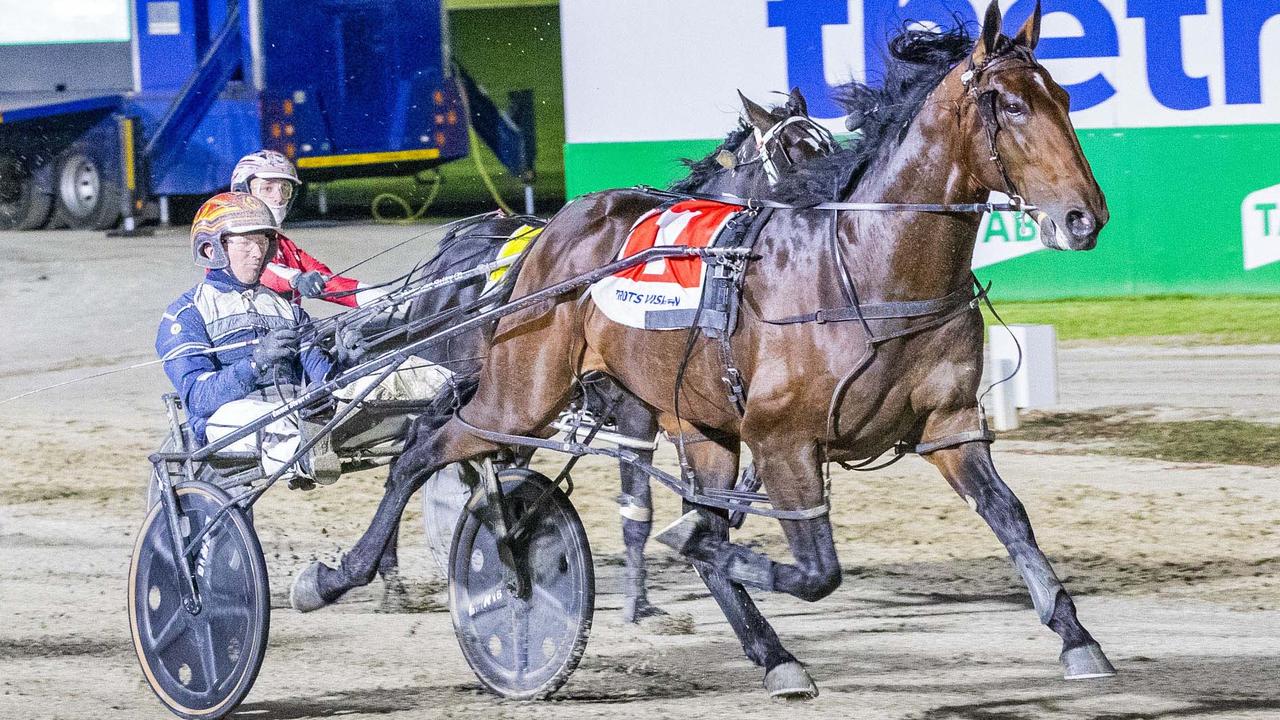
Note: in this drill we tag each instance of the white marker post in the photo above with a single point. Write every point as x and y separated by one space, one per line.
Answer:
1036 383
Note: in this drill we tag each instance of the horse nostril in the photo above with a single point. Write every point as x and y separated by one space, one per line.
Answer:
1080 224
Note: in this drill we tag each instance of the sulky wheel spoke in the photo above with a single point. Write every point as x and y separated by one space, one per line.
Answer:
209 659
520 638
175 627
218 595
545 596
228 612
161 546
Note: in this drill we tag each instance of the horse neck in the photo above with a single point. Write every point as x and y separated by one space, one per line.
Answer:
916 255
747 180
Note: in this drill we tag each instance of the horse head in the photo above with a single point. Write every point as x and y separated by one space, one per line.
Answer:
784 137
1025 145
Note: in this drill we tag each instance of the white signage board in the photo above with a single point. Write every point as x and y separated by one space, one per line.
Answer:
23 22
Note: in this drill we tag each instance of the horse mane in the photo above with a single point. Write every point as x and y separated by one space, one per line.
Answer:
916 63
701 171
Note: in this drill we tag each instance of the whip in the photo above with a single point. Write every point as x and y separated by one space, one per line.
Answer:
135 366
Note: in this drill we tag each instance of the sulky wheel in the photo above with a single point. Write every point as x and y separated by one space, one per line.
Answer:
200 665
522 648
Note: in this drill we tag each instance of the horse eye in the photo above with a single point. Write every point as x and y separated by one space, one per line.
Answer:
1014 107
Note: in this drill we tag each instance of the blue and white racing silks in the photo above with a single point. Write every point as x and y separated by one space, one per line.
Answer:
223 311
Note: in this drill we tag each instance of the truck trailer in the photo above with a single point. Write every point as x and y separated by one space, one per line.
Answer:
345 88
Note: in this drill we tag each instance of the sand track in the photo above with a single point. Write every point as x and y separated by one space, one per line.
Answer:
1174 566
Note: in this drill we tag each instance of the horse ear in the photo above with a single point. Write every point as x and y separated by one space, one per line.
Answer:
756 115
1029 35
990 32
798 104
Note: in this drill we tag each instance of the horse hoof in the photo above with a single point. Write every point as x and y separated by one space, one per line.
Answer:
790 681
680 535
304 594
635 609
1085 662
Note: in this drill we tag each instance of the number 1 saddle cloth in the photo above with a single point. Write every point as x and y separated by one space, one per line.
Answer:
665 294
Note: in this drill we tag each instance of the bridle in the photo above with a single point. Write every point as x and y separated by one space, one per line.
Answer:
984 101
769 144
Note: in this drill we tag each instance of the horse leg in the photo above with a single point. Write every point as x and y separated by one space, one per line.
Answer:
635 505
320 585
394 593
716 466
969 470
793 481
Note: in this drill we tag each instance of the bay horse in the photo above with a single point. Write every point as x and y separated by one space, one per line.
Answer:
766 147
873 374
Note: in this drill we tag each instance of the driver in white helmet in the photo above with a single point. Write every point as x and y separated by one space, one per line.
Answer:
270 177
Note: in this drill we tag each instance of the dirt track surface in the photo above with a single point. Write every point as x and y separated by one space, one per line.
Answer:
1173 566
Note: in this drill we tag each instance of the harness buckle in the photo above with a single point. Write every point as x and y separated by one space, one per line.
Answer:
737 394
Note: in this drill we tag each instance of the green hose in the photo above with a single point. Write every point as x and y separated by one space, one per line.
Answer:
473 149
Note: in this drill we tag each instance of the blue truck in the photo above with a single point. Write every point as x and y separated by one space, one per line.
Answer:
346 88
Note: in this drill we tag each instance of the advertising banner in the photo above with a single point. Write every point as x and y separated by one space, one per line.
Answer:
1176 102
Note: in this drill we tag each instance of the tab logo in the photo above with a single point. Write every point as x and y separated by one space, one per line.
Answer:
1260 218
1004 236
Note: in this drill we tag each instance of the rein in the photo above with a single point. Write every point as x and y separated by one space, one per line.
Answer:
1015 204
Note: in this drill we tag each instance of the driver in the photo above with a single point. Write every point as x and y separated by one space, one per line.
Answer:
233 236
291 271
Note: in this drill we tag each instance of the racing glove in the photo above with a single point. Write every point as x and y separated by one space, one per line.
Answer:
277 346
310 283
349 345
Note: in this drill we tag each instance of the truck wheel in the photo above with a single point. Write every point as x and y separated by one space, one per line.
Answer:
22 205
87 199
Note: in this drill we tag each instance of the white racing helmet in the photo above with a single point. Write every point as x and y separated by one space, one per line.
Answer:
266 164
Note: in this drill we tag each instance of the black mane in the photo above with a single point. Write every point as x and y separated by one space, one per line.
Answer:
700 171
917 62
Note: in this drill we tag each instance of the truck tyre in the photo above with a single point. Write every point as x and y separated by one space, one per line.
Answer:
23 206
86 197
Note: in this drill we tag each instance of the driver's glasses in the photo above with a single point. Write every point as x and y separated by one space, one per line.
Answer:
272 191
243 243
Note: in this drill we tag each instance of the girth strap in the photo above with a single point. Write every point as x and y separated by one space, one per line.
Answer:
887 310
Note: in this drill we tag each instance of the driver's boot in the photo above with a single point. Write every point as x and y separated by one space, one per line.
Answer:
323 464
